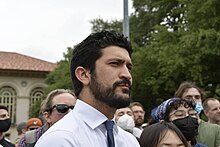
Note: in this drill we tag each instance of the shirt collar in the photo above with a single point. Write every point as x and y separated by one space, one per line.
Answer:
88 114
91 116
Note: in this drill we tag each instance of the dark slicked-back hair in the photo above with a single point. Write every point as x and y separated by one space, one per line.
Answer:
184 86
153 134
88 51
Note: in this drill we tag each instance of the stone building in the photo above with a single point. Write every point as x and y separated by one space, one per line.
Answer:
22 79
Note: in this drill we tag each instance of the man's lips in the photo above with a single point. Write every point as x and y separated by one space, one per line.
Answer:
127 86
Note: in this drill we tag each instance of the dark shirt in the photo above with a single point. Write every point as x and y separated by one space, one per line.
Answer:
5 143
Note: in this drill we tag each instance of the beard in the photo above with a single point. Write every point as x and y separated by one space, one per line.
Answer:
139 122
108 96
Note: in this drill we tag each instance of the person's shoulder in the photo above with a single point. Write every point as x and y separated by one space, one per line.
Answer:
211 125
8 142
68 123
22 141
63 127
137 132
128 136
56 137
200 145
214 128
204 123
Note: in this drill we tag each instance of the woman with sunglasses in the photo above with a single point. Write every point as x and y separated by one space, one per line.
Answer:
181 113
57 104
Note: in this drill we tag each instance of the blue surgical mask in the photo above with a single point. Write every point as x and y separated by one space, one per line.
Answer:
199 107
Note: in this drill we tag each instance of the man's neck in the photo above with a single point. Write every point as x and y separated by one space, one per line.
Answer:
100 106
214 122
139 127
1 135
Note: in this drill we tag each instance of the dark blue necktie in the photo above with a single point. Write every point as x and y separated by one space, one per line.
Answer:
110 137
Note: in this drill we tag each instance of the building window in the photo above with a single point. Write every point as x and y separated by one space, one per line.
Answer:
8 98
36 96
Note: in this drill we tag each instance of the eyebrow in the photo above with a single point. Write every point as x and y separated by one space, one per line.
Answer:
128 63
119 60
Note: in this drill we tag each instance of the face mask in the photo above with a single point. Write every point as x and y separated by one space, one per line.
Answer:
126 122
5 125
188 126
199 107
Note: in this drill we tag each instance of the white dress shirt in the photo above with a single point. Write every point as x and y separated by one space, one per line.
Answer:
83 127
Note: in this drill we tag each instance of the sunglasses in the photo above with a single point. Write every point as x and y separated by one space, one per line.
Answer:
33 128
62 108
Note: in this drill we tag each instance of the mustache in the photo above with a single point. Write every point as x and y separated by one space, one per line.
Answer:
122 82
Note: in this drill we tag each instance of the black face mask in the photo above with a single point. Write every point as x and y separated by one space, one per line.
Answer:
188 126
5 125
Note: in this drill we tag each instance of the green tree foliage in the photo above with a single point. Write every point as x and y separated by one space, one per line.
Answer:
35 110
60 77
99 25
184 45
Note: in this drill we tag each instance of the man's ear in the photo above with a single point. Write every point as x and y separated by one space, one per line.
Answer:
82 75
205 112
47 117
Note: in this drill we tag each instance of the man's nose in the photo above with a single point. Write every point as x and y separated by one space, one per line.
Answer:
125 73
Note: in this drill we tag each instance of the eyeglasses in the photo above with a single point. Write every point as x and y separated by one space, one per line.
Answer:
62 108
182 113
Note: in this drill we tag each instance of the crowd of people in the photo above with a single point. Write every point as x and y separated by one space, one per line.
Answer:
100 112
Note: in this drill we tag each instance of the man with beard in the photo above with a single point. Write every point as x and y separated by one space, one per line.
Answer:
5 123
138 112
101 74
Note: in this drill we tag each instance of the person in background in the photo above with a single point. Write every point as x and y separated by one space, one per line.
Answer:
122 111
162 134
5 123
21 129
125 119
56 105
208 134
181 113
101 75
188 90
34 123
138 111
211 108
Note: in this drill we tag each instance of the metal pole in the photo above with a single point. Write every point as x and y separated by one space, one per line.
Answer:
126 20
